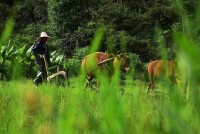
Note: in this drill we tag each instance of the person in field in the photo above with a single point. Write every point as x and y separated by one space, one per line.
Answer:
39 50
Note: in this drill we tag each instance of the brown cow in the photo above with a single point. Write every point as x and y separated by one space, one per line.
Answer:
90 65
100 62
165 69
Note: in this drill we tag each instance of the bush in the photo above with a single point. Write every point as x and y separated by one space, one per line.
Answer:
138 68
71 65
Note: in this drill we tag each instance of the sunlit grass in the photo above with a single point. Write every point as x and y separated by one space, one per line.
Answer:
29 109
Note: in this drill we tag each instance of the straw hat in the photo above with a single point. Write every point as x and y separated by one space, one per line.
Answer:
42 35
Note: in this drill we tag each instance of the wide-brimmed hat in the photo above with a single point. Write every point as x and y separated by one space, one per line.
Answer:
42 35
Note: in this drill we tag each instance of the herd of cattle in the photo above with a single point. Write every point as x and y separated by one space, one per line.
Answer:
97 63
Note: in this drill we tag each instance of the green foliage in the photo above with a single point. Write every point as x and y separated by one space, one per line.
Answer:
31 13
13 57
72 24
4 13
72 65
65 16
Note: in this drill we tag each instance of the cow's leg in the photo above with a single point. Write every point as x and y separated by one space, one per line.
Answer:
86 84
151 83
173 81
89 81
150 86
98 85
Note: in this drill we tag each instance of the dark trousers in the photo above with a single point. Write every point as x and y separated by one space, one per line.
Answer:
41 74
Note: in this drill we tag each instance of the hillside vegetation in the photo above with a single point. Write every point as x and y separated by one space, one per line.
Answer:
147 30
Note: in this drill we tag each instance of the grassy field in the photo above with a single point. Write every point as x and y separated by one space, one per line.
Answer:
48 109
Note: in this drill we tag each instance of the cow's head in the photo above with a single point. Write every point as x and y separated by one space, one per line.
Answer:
123 61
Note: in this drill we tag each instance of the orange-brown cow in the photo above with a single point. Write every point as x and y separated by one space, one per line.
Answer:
90 65
100 62
166 69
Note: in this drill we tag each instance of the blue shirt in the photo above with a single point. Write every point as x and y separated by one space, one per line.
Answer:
42 49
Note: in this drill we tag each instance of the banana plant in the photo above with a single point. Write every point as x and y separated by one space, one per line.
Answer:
5 51
10 56
25 59
57 59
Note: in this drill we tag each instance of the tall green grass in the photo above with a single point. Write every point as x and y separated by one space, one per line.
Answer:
26 108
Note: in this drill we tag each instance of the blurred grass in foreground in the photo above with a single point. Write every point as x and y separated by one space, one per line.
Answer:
26 108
